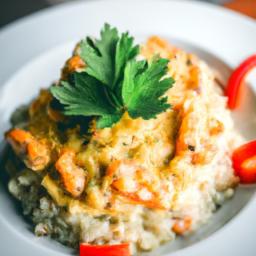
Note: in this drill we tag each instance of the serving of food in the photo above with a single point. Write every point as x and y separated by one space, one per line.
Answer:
133 146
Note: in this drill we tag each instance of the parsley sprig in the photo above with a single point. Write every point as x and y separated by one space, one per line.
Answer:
114 81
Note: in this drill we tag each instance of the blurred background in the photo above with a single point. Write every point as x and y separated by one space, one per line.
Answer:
11 10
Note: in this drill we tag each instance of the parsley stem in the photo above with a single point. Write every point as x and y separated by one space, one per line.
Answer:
115 99
112 99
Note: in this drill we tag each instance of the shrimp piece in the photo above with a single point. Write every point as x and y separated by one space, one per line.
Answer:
216 127
73 177
193 127
195 77
181 226
75 63
158 45
135 184
34 153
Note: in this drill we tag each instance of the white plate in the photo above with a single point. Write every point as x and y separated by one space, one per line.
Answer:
33 50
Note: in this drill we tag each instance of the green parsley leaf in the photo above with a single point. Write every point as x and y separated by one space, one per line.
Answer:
143 87
83 96
106 57
114 82
98 55
125 51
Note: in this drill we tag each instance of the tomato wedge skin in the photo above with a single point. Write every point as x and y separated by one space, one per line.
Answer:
234 86
105 250
244 162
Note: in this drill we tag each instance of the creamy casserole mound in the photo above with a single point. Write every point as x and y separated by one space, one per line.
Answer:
139 181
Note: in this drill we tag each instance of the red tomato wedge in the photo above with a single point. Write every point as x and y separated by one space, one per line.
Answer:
244 162
104 250
234 87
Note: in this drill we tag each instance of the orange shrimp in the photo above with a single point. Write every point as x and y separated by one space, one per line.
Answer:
73 177
75 63
216 127
160 46
34 153
181 226
131 182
